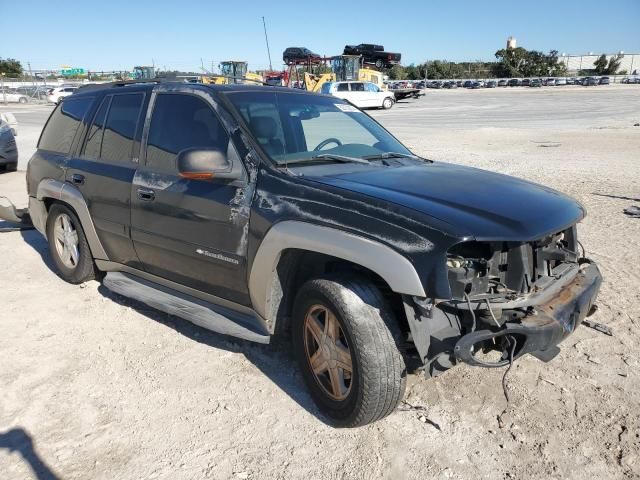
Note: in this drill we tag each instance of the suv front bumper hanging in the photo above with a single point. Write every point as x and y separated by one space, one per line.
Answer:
549 323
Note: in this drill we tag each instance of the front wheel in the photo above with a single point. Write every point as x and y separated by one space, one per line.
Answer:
387 103
22 100
379 63
343 338
68 245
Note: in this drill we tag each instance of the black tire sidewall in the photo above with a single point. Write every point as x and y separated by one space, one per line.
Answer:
340 411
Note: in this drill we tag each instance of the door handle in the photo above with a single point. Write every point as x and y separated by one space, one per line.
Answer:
77 179
146 194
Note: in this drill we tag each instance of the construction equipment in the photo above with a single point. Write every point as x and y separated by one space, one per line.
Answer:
233 71
345 68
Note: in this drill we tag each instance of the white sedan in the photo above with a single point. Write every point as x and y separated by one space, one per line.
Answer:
55 94
361 94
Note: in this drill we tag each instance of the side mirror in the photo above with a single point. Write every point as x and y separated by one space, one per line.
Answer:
204 164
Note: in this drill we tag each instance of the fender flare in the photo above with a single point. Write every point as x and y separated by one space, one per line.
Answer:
390 265
67 193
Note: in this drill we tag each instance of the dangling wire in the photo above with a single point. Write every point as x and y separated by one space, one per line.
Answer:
512 344
491 312
473 315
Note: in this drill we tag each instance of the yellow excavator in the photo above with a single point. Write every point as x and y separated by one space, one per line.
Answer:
232 71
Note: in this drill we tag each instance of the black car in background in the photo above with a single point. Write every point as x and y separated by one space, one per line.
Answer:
468 84
491 84
514 82
299 54
525 82
373 54
535 82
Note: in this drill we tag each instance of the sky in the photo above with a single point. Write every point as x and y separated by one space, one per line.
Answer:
187 34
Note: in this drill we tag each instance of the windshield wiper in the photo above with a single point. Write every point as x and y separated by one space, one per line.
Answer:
385 155
323 158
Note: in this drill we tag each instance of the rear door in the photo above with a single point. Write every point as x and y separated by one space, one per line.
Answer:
193 232
104 170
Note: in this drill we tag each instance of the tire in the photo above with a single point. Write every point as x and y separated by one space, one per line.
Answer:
379 63
387 103
23 100
77 268
366 331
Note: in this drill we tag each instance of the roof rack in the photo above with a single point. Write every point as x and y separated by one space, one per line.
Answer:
123 83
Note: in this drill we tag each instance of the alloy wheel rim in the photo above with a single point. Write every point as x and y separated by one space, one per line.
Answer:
328 352
65 237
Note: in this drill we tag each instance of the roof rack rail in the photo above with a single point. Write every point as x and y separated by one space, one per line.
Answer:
123 83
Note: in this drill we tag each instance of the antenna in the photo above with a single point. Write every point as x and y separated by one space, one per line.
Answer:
266 38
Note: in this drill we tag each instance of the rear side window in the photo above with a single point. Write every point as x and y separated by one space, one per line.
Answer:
343 87
62 126
120 128
114 126
357 87
93 144
180 122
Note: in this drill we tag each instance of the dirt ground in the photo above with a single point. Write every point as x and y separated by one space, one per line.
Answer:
95 386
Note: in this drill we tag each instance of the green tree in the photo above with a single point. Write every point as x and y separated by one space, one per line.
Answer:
10 67
601 65
520 62
397 72
614 64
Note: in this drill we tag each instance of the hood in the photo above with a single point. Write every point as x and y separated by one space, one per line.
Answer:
475 203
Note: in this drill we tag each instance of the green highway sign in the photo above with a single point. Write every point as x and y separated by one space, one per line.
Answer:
72 71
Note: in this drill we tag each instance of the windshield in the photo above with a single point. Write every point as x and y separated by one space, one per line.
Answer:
294 127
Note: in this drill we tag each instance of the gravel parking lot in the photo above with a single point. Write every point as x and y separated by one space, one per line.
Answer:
97 386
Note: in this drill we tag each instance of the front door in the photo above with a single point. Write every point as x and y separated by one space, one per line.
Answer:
189 231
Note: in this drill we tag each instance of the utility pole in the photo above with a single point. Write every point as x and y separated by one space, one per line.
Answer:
267 40
4 93
30 72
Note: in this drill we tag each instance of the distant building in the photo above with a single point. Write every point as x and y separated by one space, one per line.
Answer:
511 43
630 63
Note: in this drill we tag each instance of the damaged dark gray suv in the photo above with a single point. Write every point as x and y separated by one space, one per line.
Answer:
255 211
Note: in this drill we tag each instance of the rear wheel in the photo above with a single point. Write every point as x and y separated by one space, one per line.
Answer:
68 245
379 63
343 338
22 100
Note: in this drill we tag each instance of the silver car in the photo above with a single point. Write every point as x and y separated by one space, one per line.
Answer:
8 148
11 95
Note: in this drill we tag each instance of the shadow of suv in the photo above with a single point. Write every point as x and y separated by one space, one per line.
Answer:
256 211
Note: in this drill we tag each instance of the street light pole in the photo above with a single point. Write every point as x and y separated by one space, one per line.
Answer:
4 93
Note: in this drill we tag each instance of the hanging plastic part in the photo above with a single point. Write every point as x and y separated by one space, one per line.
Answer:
18 217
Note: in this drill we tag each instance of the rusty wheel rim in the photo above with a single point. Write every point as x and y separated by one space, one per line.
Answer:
328 352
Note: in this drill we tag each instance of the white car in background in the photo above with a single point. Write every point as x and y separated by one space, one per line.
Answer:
55 94
361 94
12 96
